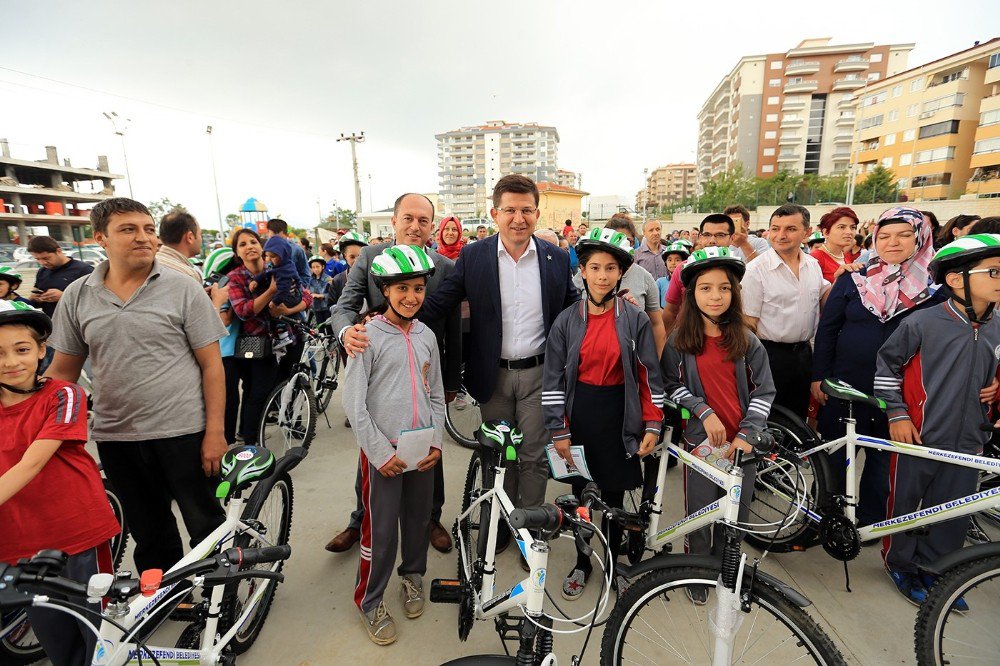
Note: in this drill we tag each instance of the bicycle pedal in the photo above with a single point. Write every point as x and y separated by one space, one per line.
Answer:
447 591
186 612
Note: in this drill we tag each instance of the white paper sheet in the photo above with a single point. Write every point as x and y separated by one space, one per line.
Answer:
414 445
561 469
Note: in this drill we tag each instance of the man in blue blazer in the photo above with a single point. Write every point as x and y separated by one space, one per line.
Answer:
516 285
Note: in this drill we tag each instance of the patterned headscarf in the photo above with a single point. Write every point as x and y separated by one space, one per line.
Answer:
889 289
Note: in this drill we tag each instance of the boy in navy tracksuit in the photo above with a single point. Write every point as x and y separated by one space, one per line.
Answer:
930 372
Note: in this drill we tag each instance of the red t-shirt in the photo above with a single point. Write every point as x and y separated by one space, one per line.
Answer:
64 506
675 290
828 264
718 378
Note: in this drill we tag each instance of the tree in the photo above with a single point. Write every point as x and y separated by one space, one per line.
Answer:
340 218
879 186
160 208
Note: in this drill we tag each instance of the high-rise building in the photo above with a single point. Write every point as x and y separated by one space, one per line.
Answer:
791 110
668 185
567 178
937 127
472 159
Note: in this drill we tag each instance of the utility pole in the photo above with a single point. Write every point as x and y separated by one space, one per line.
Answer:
215 179
355 139
121 124
371 205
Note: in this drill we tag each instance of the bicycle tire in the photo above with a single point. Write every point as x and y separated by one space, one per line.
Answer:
479 477
803 532
935 614
324 385
470 420
119 542
231 605
24 648
302 430
805 630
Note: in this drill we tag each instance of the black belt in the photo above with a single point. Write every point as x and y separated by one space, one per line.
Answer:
791 346
522 363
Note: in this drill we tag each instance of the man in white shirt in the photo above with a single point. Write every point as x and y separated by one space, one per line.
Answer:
180 236
783 290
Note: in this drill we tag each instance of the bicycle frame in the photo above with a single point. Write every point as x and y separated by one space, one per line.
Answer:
975 503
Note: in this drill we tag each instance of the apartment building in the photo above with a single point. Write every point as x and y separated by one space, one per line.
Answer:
472 159
791 110
568 178
668 185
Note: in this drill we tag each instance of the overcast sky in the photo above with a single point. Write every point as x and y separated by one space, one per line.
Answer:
621 81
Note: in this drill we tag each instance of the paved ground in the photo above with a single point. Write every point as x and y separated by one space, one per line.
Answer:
314 621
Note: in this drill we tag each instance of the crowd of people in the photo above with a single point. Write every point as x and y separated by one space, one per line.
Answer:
578 338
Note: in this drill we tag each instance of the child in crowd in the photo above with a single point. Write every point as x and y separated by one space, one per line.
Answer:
320 288
929 372
350 245
673 256
716 367
601 385
10 280
391 390
280 268
51 494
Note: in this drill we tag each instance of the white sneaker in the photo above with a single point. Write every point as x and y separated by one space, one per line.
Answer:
413 596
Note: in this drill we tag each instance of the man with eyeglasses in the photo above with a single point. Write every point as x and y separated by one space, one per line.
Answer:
516 284
716 230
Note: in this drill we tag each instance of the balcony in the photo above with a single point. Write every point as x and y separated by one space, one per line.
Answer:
793 104
789 139
788 123
807 86
789 157
841 154
802 67
843 137
856 65
847 103
848 83
845 121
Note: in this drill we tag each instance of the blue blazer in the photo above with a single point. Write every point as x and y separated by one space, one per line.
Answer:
476 278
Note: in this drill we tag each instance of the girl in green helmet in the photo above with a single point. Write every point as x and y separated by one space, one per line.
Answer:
10 280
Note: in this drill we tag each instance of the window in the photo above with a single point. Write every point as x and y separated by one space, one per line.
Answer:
954 76
767 168
916 84
994 61
873 76
771 118
770 135
887 162
875 57
890 139
769 152
776 64
903 183
911 110
876 98
932 179
894 115
904 160
989 117
909 135
771 101
776 83
935 154
789 116
987 146
870 144
897 90
937 129
872 121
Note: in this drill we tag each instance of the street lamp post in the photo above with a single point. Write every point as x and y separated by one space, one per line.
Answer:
215 179
355 139
120 125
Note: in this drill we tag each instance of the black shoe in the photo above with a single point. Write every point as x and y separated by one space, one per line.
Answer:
503 537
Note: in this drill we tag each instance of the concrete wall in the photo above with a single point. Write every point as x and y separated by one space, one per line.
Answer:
942 209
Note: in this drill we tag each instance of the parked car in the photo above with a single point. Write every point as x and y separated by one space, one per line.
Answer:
21 253
89 256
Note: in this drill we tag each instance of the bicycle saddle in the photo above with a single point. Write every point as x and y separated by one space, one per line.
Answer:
500 435
241 466
844 391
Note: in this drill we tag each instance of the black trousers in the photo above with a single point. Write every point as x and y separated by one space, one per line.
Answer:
148 475
259 377
359 513
288 361
791 369
231 366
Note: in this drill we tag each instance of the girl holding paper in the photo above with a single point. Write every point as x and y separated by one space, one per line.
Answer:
601 385
394 398
716 367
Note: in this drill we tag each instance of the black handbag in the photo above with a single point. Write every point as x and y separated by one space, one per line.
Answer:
253 347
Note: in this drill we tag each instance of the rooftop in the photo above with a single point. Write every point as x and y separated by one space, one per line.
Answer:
936 64
495 126
546 186
69 173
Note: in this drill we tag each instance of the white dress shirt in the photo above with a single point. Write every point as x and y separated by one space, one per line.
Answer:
787 307
520 304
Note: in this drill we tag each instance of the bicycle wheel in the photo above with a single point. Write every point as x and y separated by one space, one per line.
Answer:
325 381
478 479
463 419
274 512
654 622
120 541
19 644
777 483
945 636
289 417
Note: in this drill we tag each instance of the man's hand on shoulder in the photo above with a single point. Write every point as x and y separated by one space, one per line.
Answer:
355 340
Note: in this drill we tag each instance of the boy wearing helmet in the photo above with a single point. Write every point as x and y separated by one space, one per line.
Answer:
350 249
318 285
673 256
391 390
51 494
601 384
10 280
929 373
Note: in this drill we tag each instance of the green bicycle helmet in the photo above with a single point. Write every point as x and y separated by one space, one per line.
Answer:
401 262
677 247
217 262
315 258
958 256
815 237
607 240
351 238
16 312
710 257
10 275
685 241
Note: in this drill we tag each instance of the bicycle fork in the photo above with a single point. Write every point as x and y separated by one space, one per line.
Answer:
726 615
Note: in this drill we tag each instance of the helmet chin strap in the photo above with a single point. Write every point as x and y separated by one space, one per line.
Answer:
970 311
397 312
39 385
717 322
607 297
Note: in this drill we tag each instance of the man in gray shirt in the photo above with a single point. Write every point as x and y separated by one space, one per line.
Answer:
159 385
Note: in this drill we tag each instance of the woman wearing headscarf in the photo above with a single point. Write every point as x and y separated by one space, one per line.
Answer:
861 312
449 238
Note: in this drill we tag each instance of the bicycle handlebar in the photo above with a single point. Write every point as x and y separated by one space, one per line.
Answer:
265 555
547 517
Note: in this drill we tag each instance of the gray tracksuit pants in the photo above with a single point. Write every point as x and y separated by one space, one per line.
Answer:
397 512
700 492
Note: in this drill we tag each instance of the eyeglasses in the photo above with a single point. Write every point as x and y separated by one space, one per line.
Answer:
525 212
994 272
718 237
